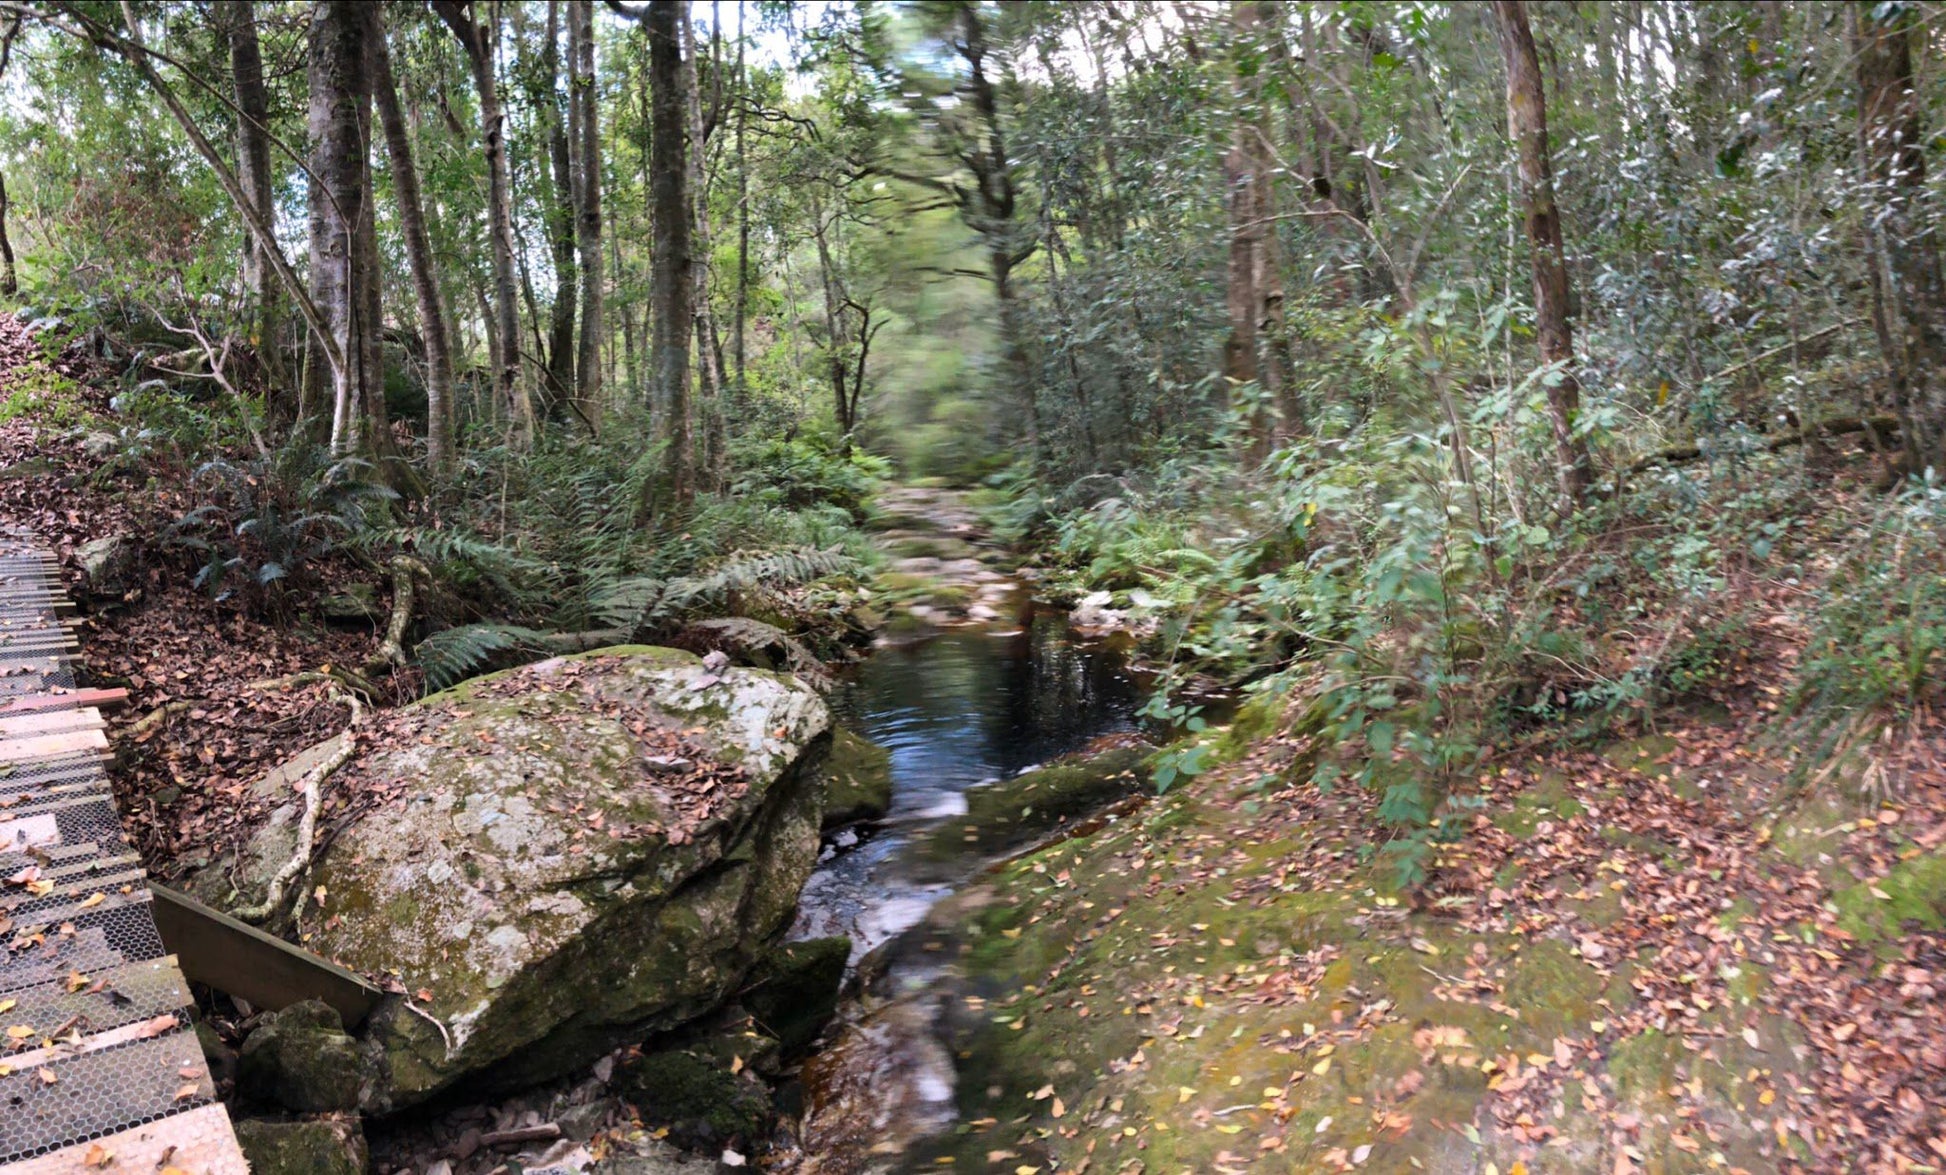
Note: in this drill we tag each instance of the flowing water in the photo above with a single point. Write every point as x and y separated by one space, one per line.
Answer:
956 708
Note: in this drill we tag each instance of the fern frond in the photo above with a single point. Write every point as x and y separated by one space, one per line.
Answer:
457 653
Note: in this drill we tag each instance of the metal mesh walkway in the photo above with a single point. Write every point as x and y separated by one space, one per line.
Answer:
97 1057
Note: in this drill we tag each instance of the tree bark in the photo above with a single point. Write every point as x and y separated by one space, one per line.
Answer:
670 280
1527 127
558 170
339 122
739 386
1255 294
583 96
252 98
709 373
477 41
9 280
419 257
1908 293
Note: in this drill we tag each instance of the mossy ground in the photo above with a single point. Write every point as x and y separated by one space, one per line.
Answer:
1224 981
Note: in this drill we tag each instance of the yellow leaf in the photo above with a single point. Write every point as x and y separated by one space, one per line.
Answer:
1766 1097
20 1032
97 1156
8 1006
1060 1108
94 899
1322 1067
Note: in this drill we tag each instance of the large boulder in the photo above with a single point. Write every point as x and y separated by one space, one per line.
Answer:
858 781
108 565
573 855
301 1059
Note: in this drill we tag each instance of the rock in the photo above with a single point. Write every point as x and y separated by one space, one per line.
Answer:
1015 811
551 895
220 1057
793 992
324 1146
584 1121
100 445
754 645
357 606
301 1059
858 780
649 1157
109 565
701 1102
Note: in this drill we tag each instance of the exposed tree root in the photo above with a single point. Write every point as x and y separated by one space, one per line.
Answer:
307 824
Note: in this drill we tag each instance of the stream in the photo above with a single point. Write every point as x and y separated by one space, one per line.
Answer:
954 707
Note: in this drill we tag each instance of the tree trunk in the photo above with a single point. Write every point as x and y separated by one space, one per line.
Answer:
739 386
1527 127
252 98
990 210
1242 366
557 172
583 97
670 280
419 257
477 40
1907 289
339 121
9 280
709 373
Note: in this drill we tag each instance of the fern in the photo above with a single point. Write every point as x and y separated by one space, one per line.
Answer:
457 653
647 602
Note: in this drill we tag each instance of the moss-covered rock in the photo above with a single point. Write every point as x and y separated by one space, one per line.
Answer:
556 880
1911 896
698 1099
1016 811
793 991
326 1146
301 1059
858 780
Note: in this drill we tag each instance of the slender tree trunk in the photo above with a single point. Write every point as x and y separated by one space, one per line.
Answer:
1909 296
340 127
477 40
9 280
1241 359
709 371
739 387
583 96
1527 127
836 337
252 98
561 144
671 284
419 257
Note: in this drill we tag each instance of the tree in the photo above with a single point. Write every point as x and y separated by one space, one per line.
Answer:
670 274
1254 352
1527 127
419 259
253 172
344 280
584 106
477 41
1907 294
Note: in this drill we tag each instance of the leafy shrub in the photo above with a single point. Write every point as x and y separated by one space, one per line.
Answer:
1875 653
265 522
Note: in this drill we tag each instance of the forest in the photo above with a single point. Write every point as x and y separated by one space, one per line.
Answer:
1021 586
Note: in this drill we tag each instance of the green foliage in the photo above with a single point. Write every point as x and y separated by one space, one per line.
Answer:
264 523
1877 651
741 581
798 474
454 654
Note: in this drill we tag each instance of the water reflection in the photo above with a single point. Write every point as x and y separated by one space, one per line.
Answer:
958 708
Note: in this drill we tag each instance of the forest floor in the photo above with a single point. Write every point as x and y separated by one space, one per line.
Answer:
1655 955
196 732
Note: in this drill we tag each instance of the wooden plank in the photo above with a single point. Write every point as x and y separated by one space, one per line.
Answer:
50 722
47 745
106 699
237 958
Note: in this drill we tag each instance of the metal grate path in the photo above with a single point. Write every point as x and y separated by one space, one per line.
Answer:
97 1056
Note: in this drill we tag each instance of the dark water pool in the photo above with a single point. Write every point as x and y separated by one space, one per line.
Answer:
957 708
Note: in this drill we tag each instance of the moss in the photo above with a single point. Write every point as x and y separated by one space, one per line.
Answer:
1013 812
1914 897
699 1101
1549 798
1643 1066
793 991
858 780
330 1147
301 1059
